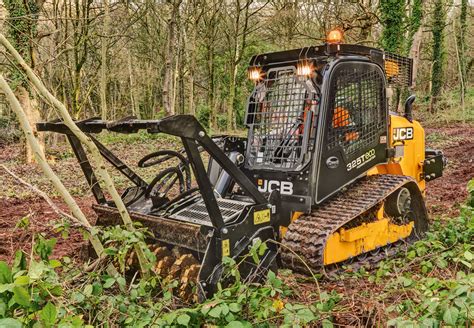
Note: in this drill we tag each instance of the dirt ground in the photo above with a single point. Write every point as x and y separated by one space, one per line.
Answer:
16 202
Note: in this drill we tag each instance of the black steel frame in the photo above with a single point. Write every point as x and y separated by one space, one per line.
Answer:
184 126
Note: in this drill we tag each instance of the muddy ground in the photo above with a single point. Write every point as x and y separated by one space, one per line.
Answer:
17 202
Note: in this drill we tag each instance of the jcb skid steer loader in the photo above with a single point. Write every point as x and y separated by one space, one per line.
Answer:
326 170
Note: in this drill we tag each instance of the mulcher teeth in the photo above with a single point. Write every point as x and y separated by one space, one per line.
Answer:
171 265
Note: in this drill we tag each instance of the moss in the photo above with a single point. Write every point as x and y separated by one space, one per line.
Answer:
439 20
21 31
392 17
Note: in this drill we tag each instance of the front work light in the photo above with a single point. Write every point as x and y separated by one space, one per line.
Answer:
255 74
304 69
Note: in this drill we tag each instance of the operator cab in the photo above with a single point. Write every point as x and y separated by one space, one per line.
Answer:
318 117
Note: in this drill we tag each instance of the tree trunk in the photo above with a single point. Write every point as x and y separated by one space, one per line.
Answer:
37 151
170 52
103 57
96 157
415 53
30 107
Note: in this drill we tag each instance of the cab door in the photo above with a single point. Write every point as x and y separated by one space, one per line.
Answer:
354 125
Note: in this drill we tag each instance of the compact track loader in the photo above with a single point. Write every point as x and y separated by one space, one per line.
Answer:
326 176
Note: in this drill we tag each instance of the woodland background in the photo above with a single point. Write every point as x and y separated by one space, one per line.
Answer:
114 58
156 58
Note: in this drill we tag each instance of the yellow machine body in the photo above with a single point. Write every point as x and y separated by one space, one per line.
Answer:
409 140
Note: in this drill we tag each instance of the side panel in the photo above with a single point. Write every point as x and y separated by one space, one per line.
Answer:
409 138
354 125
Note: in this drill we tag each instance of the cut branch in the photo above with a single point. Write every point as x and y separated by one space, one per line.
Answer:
41 160
96 157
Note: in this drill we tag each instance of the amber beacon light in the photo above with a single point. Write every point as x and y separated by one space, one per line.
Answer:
335 36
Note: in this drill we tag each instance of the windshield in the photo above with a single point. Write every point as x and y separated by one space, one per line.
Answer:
280 115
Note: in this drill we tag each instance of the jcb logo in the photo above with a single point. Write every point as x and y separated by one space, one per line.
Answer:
403 134
285 187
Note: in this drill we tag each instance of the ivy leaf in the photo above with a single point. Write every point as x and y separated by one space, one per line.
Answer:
451 315
183 319
48 314
21 296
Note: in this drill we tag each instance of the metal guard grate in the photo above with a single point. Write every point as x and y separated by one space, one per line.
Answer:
284 106
398 69
197 212
357 108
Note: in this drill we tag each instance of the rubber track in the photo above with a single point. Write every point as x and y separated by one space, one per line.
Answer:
307 235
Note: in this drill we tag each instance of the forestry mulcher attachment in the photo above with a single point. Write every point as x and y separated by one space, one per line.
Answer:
327 174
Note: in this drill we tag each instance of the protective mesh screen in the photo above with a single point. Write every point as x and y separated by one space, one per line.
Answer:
281 113
398 69
357 108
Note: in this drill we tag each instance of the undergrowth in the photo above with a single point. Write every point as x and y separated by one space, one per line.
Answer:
430 285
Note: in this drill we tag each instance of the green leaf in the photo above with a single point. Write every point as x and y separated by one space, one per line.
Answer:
109 282
5 273
327 324
22 280
10 323
36 269
238 324
20 261
451 315
305 315
6 288
235 307
183 319
215 312
468 255
21 296
48 314
88 290
121 281
54 264
3 308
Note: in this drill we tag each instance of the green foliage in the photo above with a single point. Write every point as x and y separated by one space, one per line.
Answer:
414 23
392 14
438 23
470 190
434 301
120 242
28 290
22 29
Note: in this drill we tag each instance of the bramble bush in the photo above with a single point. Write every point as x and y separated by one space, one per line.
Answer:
43 292
431 285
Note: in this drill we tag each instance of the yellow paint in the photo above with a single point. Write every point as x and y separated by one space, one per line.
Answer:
411 164
225 247
294 217
262 216
346 243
